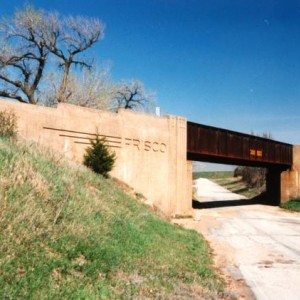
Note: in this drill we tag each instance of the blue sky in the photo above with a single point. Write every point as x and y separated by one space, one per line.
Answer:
233 64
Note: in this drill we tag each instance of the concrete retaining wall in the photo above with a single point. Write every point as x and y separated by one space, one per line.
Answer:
151 150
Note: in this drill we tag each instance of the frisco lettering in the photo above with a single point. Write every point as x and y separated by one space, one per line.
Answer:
146 145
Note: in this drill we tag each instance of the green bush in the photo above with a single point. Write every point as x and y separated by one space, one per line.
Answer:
253 177
8 124
98 157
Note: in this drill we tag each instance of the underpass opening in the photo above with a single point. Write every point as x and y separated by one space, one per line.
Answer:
216 185
209 144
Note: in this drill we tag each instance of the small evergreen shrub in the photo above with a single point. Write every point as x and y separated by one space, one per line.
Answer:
8 123
98 157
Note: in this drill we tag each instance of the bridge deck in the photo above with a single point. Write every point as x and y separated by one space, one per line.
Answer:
207 143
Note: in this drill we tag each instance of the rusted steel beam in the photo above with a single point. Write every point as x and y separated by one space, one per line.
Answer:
225 146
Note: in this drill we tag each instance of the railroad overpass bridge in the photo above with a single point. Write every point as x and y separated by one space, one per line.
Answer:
217 145
155 153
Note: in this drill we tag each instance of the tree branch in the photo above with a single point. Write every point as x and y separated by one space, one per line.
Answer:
12 96
17 84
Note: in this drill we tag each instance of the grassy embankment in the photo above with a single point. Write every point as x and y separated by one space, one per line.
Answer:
227 180
66 233
293 205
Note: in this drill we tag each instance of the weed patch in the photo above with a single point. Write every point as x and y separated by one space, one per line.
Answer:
8 124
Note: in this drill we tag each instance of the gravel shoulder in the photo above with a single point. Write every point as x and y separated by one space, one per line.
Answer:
257 247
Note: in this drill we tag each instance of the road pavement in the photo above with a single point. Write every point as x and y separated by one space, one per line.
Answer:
256 246
208 191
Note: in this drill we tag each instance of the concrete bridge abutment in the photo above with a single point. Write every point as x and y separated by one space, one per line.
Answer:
290 179
150 150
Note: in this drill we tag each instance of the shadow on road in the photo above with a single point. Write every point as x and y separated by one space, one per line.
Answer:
260 199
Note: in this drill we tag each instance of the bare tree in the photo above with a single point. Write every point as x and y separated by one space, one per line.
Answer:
28 40
23 55
90 88
68 38
131 95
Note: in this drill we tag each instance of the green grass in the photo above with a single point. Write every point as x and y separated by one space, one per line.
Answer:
293 205
227 180
213 175
67 233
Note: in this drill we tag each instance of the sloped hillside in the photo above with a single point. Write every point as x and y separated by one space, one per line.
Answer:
67 233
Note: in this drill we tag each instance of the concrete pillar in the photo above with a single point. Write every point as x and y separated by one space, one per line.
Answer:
290 180
184 203
180 170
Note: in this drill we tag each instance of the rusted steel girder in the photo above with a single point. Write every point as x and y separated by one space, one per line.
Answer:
211 144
